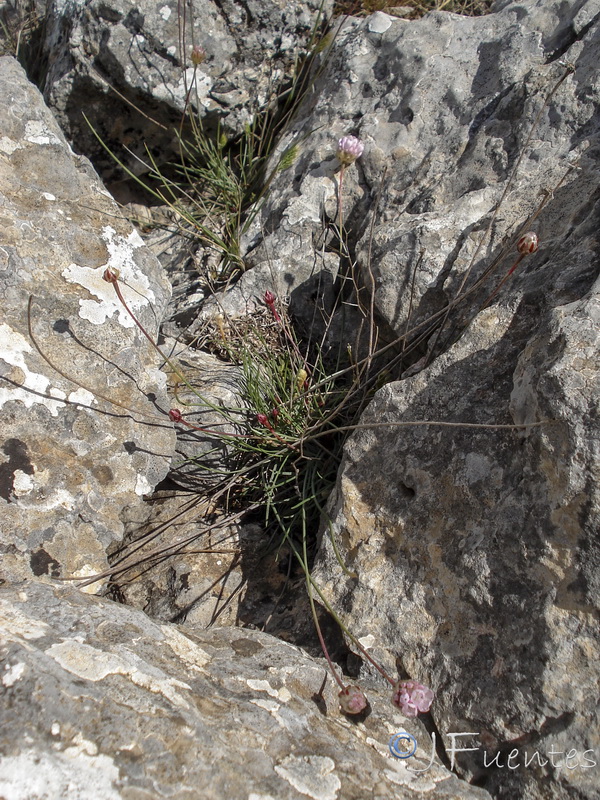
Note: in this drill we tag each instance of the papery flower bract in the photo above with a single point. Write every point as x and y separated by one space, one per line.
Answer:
198 55
412 698
352 700
528 243
349 149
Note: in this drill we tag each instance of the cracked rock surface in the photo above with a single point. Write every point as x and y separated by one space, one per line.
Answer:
127 66
70 459
101 703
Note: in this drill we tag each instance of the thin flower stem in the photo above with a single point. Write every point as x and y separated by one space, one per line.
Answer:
340 217
304 562
369 658
77 382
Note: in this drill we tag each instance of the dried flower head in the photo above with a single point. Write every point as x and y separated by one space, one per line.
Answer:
352 700
349 149
110 275
198 55
528 243
412 698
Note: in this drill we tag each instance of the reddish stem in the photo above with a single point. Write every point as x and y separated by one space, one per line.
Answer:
520 257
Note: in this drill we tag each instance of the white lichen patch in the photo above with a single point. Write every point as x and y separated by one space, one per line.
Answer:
142 485
262 686
165 12
133 283
58 498
14 625
12 674
367 641
311 775
52 775
22 483
13 347
202 85
9 146
88 571
81 745
82 396
268 705
185 649
379 22
37 132
92 664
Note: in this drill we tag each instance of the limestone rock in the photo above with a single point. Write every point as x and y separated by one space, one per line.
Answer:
475 549
445 106
71 460
99 702
207 393
136 50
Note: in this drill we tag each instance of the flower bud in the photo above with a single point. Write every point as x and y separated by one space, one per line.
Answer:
528 243
110 275
301 378
175 415
352 700
349 149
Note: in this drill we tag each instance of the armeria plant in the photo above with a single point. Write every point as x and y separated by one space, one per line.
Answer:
284 442
289 434
285 453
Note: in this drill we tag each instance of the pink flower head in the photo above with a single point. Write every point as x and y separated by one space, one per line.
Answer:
175 415
528 243
352 700
349 149
412 698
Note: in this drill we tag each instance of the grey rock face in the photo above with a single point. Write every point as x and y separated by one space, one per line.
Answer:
475 549
143 52
100 702
71 460
445 106
211 405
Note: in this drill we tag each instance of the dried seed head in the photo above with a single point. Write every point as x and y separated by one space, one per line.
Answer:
349 149
528 243
352 700
198 55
